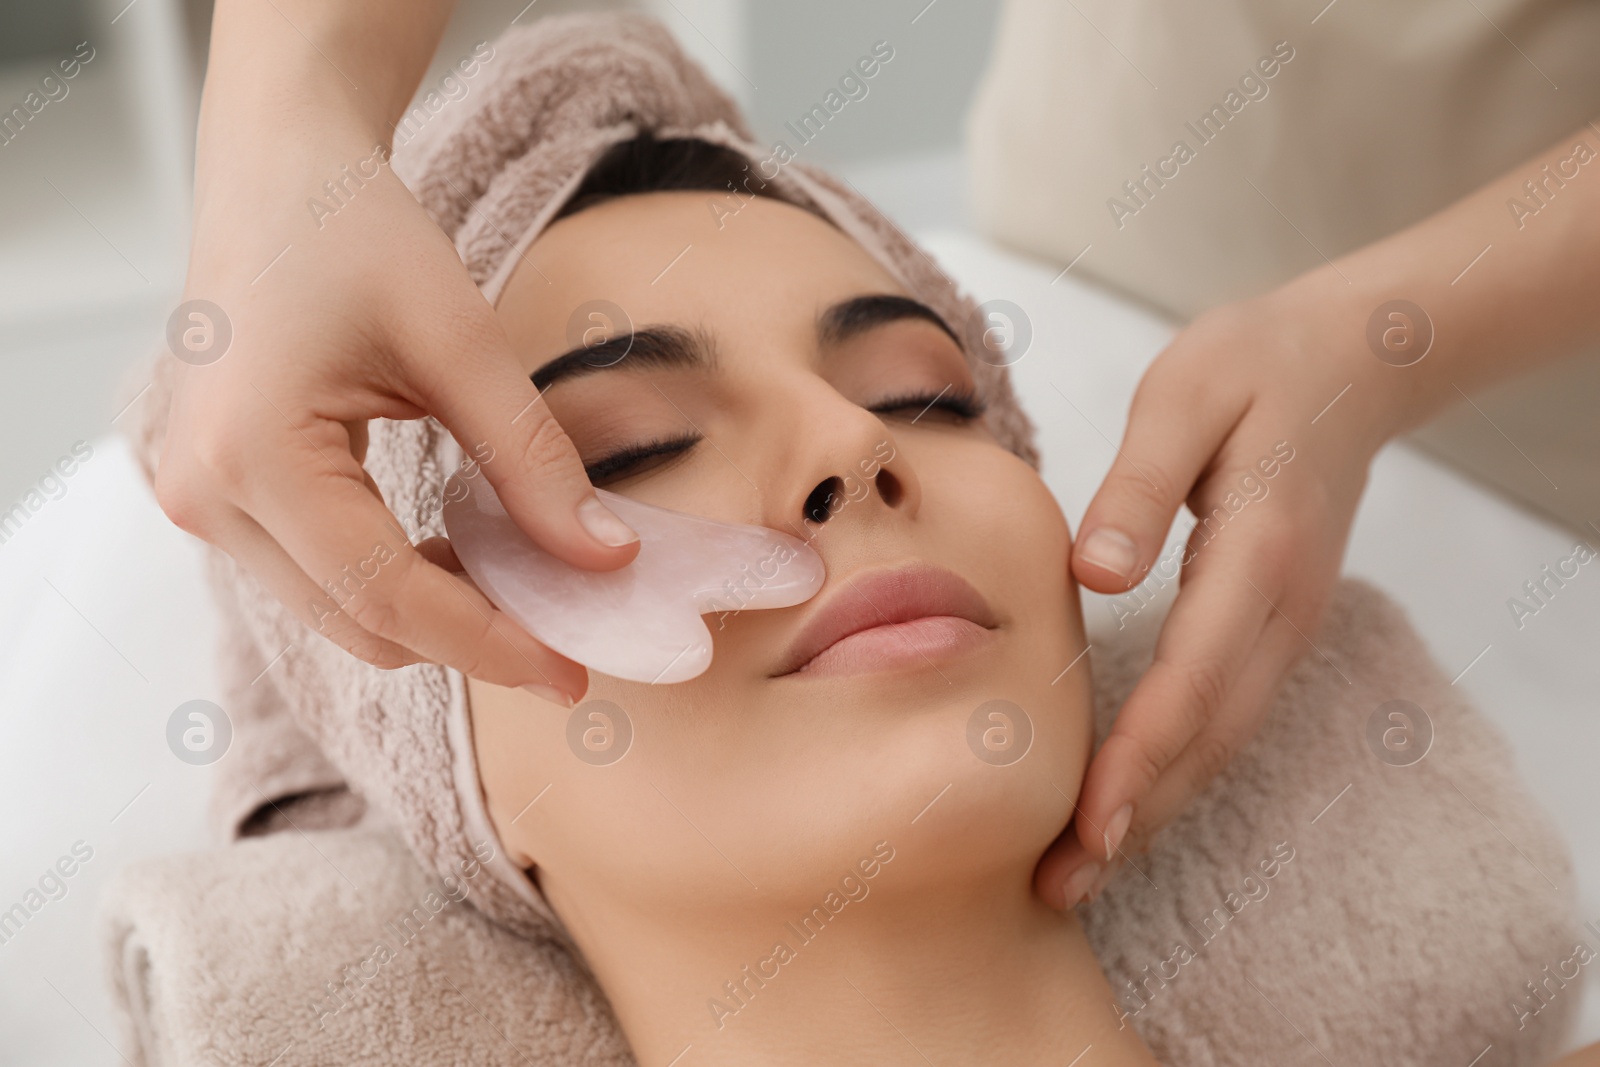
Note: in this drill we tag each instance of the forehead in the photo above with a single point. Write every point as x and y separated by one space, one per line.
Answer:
683 258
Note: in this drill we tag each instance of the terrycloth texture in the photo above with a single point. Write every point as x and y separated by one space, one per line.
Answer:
1419 901
490 168
1401 931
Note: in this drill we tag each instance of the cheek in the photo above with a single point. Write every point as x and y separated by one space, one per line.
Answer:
1011 539
1003 529
612 789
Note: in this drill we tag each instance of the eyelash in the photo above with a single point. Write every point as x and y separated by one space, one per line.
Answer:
963 405
623 462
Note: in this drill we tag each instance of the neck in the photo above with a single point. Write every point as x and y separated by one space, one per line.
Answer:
966 973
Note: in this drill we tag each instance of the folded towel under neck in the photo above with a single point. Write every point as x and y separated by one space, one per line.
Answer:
1399 923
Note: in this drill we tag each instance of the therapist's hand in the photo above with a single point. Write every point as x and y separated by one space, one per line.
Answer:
342 317
1324 370
1233 418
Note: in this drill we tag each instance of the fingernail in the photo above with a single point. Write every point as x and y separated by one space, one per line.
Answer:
603 524
550 693
1078 883
1112 550
1101 882
1117 829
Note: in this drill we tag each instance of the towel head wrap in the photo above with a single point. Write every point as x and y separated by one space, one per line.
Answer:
493 168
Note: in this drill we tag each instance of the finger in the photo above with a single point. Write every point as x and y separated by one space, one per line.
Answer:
1158 464
265 560
1066 872
1117 862
481 395
312 500
1069 874
1206 640
1274 653
441 553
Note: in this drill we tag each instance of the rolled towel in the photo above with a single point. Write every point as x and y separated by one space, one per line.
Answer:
1328 898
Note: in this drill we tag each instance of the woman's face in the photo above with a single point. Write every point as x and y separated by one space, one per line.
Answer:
769 375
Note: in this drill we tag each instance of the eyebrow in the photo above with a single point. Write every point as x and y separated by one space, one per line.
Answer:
672 347
848 318
654 346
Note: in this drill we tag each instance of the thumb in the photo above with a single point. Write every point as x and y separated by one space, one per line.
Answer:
1169 442
490 406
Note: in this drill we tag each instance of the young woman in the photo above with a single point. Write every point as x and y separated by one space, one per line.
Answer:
822 849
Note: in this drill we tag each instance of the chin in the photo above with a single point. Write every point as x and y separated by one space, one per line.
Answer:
963 816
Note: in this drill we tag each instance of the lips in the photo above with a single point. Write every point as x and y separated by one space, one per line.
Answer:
906 616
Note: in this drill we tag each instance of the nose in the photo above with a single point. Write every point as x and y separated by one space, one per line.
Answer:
850 463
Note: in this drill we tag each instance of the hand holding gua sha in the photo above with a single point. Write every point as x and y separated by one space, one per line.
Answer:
641 622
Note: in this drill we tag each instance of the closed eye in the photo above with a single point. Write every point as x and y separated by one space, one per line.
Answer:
953 404
636 459
950 404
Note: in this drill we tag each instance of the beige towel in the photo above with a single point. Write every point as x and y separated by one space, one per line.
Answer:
490 168
1415 903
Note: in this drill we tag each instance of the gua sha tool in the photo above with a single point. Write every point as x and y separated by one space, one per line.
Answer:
641 622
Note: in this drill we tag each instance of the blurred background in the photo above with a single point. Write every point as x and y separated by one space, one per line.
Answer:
105 627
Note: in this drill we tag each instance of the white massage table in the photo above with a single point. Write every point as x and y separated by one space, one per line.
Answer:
105 629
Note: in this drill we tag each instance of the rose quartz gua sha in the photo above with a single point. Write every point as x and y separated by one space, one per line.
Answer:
642 622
